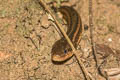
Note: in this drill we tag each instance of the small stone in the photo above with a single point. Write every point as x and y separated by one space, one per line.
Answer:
85 49
110 39
44 21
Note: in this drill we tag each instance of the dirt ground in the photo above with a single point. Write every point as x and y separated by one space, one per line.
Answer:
27 36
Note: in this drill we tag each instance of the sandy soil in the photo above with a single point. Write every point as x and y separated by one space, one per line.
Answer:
27 36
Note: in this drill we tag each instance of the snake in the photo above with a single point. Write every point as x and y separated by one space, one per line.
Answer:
61 50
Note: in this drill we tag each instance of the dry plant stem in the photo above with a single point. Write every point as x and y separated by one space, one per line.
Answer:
92 41
67 38
91 31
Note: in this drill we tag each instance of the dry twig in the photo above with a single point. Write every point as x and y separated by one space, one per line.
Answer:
92 41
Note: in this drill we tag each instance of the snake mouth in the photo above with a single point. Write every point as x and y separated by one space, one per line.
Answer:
59 58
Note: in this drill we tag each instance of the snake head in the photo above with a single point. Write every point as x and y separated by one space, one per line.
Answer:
61 51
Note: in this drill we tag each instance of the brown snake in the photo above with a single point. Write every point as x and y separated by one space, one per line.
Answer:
61 50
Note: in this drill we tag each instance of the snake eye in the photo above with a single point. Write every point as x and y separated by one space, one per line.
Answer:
65 51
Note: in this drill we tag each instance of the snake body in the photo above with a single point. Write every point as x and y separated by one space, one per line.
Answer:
61 50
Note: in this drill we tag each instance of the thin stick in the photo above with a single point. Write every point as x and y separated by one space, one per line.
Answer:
91 31
92 41
68 40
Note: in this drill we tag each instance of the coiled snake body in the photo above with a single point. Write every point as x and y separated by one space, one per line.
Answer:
61 50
